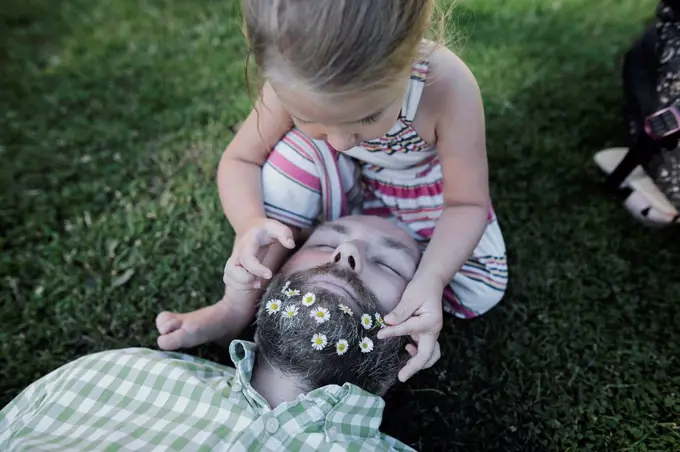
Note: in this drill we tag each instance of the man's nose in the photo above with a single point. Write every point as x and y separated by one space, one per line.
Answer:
348 255
341 142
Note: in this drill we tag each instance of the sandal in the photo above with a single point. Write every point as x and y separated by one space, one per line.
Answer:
643 198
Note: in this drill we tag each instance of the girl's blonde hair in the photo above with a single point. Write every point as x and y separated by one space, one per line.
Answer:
336 46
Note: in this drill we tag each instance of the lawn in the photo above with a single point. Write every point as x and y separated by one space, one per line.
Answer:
113 115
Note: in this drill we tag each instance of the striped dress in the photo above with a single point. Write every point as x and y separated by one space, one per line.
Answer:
399 177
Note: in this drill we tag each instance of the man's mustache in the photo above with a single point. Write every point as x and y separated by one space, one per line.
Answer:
365 296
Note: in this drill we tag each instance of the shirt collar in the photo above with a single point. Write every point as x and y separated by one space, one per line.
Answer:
338 402
242 354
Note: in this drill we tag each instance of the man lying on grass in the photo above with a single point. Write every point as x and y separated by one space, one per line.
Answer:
311 381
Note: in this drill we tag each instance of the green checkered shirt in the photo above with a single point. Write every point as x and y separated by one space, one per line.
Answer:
143 400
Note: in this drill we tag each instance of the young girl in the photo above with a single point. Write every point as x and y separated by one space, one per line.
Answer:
358 112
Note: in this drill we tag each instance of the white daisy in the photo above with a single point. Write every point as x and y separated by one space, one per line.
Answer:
379 321
285 287
290 311
292 292
309 299
366 345
320 315
273 306
367 321
341 347
344 308
319 341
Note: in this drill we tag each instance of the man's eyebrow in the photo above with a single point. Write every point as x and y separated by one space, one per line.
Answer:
398 246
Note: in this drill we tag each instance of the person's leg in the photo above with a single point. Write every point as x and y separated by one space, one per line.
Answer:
481 282
292 189
305 181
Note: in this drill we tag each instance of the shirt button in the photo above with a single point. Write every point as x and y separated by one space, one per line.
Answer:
272 425
236 387
332 431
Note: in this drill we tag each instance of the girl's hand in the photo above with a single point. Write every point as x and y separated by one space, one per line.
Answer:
419 315
244 269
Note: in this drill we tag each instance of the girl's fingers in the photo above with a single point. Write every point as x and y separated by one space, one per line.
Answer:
411 349
405 309
280 232
426 347
435 356
239 275
412 326
250 262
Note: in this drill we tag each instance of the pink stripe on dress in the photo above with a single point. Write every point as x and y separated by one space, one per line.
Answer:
406 192
294 172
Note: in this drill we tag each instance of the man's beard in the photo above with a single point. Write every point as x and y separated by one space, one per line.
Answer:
285 342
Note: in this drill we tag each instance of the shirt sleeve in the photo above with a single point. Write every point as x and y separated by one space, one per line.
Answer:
24 407
33 400
12 415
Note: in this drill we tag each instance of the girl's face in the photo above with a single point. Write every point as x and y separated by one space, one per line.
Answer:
347 120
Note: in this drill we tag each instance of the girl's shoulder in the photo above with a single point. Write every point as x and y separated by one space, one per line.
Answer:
444 65
448 78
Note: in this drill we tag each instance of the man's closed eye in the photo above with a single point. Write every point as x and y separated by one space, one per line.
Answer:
388 268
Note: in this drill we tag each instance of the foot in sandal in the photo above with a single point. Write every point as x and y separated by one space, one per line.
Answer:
645 201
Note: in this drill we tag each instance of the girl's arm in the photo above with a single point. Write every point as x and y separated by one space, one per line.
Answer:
239 177
461 146
454 101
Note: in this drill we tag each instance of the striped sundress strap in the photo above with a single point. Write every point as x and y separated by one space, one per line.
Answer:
414 91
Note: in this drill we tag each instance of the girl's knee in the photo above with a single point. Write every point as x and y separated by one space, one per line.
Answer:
470 295
291 187
489 300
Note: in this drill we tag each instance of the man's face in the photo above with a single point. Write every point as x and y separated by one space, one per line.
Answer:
381 256
320 315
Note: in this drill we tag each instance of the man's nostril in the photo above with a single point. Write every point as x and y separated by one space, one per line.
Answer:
352 262
337 257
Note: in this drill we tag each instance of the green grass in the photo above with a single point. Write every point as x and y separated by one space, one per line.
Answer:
113 115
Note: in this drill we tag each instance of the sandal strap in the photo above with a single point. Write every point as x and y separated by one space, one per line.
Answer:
638 154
